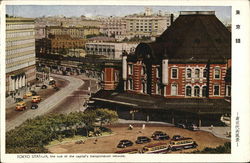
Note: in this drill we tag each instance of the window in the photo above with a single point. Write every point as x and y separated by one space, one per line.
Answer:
196 91
197 73
157 72
157 88
216 90
217 73
174 90
144 87
174 73
228 90
143 70
188 91
130 84
204 73
204 91
189 73
130 69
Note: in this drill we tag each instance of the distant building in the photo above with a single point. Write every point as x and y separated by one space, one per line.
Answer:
108 49
20 53
74 32
58 44
147 24
113 26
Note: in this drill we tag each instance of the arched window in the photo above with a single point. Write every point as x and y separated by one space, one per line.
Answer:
157 72
204 91
188 91
174 90
217 73
158 88
189 72
197 73
196 91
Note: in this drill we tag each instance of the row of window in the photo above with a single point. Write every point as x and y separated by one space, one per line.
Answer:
20 34
20 50
19 42
16 59
20 66
196 73
19 26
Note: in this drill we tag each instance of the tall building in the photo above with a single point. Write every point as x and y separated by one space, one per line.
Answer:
147 24
113 26
20 53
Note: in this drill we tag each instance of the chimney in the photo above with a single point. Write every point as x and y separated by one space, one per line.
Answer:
172 18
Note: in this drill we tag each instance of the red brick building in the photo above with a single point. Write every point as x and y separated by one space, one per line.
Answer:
189 60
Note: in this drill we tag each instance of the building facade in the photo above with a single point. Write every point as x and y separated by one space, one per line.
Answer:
20 53
113 26
147 24
182 64
109 50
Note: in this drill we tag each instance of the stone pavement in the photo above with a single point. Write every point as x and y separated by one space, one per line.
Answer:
221 132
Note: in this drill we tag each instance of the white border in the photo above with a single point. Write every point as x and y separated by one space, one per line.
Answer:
240 84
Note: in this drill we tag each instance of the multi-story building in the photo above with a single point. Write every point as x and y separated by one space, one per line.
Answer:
147 24
182 64
113 26
185 75
110 50
20 53
58 44
74 32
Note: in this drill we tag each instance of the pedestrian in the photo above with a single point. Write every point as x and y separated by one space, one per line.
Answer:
143 126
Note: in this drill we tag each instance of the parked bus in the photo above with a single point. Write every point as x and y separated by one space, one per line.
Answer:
128 151
182 143
155 148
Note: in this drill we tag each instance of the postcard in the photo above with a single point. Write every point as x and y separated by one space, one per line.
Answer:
124 81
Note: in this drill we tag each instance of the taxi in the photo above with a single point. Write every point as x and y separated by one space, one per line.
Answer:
20 106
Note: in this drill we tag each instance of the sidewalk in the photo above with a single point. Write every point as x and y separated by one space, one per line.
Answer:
221 132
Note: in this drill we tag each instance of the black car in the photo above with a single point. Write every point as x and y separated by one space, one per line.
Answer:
19 100
160 136
34 106
177 137
124 144
44 86
52 82
33 93
142 139
192 126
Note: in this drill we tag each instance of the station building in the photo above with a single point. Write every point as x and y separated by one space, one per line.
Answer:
184 74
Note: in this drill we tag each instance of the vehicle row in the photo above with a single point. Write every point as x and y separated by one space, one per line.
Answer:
187 125
162 147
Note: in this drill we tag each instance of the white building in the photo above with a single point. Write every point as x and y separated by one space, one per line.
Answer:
20 53
108 49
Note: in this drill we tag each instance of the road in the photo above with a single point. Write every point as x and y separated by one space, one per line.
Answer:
50 103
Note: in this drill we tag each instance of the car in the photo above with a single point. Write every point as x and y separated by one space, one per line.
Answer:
160 136
28 94
19 100
44 86
21 106
52 82
177 137
124 144
34 106
181 124
192 126
142 139
56 88
33 93
156 133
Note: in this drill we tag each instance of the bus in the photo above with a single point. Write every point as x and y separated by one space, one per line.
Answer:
182 143
155 148
127 151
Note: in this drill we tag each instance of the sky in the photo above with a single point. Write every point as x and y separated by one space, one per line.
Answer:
33 11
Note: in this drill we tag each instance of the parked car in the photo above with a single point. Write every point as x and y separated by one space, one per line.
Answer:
34 106
177 137
142 139
44 86
124 144
156 133
181 124
192 126
160 136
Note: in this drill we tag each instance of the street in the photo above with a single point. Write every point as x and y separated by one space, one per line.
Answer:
67 99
